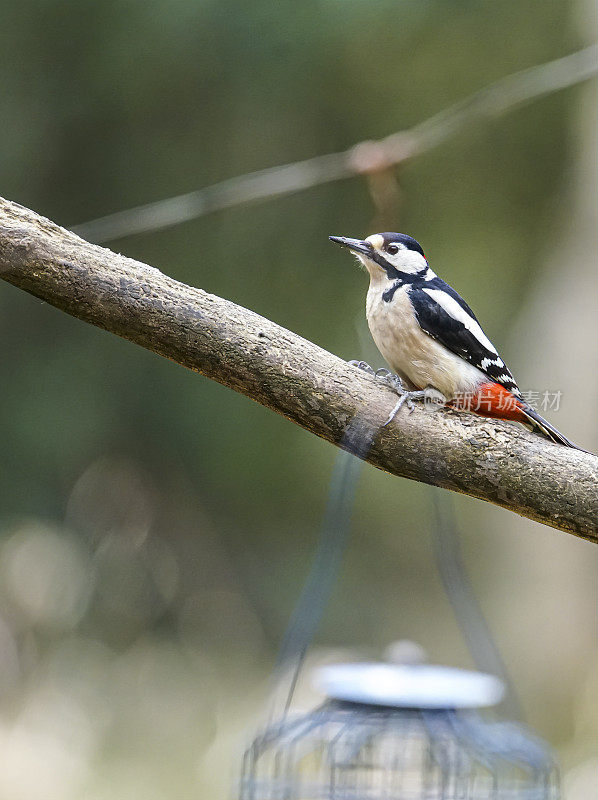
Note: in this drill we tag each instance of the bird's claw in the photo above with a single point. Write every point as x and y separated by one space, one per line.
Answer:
393 382
405 399
362 365
429 395
382 374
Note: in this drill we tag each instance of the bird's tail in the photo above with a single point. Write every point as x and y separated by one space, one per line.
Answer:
496 401
536 423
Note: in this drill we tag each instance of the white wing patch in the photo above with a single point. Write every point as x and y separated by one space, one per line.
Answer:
495 362
506 378
454 310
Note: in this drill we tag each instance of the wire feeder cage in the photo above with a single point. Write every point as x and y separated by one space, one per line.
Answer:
399 732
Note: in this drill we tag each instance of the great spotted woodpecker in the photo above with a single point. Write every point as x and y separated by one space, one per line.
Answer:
431 338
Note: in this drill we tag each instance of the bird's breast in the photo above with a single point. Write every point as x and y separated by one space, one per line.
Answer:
410 351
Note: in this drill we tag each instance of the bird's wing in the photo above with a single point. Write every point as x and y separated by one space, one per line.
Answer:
446 317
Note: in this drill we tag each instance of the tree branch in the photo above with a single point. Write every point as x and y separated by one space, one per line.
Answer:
488 459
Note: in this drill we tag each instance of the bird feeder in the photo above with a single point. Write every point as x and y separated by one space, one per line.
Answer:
399 732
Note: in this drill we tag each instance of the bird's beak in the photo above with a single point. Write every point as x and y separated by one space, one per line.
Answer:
356 245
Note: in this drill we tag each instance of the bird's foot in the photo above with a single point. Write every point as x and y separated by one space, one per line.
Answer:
382 374
432 398
393 382
405 399
362 365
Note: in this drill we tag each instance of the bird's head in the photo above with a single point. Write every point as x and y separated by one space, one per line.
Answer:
394 254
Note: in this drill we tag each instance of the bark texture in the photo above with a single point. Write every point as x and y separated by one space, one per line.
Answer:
488 459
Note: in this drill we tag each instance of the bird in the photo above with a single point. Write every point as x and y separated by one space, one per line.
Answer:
432 339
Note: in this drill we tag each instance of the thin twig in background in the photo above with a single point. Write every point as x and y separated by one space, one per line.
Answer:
363 158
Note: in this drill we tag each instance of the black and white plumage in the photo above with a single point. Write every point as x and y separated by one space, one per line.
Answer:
430 336
446 317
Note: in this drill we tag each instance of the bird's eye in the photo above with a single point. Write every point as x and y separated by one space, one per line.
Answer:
393 249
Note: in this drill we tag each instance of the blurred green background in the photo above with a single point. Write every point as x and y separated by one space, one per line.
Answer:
155 527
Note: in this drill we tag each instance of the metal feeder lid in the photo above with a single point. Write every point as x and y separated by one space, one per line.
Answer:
408 685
